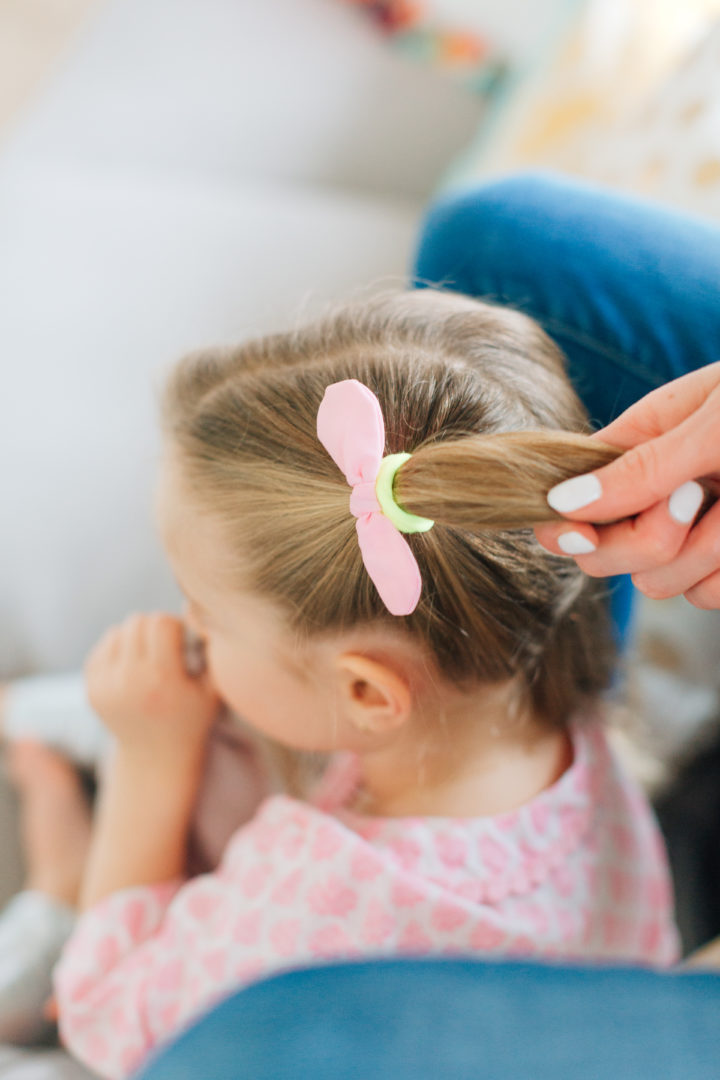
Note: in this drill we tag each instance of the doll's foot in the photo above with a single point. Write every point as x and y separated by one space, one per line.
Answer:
54 819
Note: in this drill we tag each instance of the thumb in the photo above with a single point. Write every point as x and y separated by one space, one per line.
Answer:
644 474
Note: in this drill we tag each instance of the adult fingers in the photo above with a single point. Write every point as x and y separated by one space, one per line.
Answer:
637 544
645 473
662 409
562 539
698 559
632 545
707 594
670 436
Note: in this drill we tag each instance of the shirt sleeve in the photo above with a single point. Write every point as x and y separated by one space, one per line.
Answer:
144 962
100 978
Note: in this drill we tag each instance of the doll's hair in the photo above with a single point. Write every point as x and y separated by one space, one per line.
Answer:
479 395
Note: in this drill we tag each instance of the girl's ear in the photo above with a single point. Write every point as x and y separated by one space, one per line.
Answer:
375 699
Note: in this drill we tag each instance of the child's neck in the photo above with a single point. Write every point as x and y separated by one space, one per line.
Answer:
477 763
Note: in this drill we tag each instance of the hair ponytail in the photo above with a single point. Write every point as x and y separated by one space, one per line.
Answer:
497 481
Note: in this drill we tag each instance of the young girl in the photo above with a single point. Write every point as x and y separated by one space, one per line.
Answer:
348 511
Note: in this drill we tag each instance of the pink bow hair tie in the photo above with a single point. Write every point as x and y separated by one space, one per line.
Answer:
351 428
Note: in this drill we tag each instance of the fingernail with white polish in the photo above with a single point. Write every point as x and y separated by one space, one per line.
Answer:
685 501
575 493
574 543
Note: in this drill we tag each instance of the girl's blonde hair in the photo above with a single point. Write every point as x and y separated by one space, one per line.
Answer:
480 397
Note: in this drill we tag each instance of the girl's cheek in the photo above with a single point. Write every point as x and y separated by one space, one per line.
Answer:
220 666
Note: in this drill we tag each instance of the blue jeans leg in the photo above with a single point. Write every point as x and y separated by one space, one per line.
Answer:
469 1019
627 288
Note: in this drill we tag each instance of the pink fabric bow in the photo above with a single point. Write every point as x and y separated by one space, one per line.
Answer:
350 426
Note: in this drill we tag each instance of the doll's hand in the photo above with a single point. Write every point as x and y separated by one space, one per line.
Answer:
136 681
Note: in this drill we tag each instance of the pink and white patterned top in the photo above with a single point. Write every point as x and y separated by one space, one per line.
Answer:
577 872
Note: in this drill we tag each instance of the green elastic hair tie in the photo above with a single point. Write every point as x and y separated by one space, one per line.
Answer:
403 522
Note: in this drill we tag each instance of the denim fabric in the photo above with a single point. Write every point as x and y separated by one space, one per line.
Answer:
627 288
456 1020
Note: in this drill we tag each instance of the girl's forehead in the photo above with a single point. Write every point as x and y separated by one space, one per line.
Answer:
183 531
205 563
200 555
194 563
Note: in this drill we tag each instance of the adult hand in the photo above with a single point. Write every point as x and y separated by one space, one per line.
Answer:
672 440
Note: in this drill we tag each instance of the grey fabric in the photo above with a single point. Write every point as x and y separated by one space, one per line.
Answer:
33 930
10 864
40 1065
